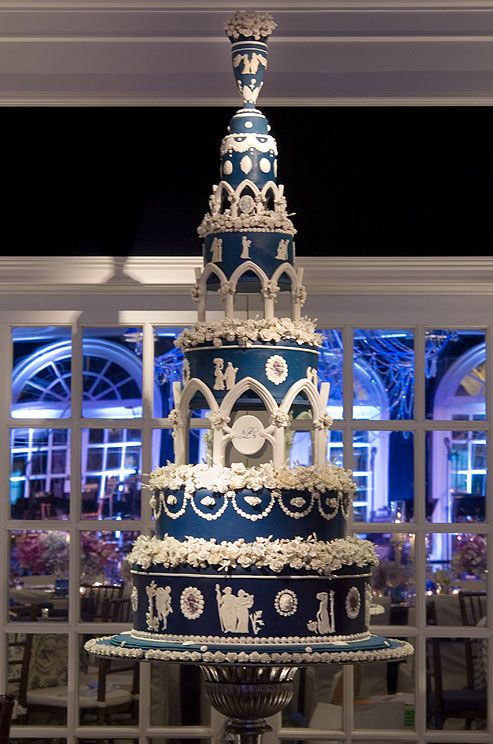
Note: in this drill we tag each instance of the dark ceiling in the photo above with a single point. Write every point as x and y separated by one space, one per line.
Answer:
136 181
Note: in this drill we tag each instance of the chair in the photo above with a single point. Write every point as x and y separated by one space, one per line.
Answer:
116 610
42 687
468 703
472 607
6 709
92 600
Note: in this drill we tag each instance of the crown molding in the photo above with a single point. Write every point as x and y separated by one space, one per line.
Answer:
156 275
326 52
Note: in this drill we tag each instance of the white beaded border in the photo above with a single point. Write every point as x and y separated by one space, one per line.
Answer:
404 649
250 640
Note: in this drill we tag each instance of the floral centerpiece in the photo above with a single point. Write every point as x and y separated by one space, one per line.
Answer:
42 553
99 559
470 556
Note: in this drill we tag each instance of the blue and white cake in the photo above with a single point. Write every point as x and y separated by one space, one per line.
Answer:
250 563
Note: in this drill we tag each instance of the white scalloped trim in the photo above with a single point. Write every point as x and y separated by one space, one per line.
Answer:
404 649
255 640
309 553
241 142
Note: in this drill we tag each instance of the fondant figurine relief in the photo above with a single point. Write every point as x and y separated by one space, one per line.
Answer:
230 376
324 623
282 250
163 604
151 619
217 250
312 375
245 245
219 377
250 64
233 609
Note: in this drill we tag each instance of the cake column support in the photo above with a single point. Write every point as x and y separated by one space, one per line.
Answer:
247 695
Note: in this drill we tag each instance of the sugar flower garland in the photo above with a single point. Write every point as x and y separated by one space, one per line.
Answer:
299 553
250 331
251 24
219 479
267 220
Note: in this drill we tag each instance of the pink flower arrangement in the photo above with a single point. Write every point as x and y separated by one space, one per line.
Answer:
470 556
43 552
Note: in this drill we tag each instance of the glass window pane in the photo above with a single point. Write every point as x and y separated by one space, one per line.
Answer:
112 372
39 473
111 474
456 671
116 683
384 695
168 368
177 696
105 576
38 574
41 375
383 468
383 374
162 447
455 374
330 366
393 580
37 673
456 470
456 578
317 701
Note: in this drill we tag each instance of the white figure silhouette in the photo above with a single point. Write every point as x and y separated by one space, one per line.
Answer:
152 622
245 245
312 375
325 622
230 376
163 604
250 64
219 376
186 370
233 610
282 250
217 250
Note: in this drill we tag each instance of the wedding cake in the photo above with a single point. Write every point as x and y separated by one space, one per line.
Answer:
250 561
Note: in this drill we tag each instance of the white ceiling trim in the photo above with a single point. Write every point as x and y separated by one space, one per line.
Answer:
354 52
175 275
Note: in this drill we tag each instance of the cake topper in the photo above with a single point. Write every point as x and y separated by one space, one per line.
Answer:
248 31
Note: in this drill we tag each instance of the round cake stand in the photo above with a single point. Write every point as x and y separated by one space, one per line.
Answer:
247 695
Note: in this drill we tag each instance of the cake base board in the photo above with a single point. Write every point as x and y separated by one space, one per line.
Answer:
375 648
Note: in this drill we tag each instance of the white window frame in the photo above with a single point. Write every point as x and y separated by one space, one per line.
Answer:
408 293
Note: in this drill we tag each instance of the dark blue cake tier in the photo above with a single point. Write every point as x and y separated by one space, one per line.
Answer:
282 514
275 366
194 604
268 250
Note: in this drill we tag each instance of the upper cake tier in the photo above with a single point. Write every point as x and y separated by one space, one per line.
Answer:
248 231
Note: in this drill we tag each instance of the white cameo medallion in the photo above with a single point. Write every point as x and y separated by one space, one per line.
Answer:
246 204
298 501
227 167
134 599
234 615
192 602
353 603
276 369
325 620
264 165
159 605
246 164
247 435
286 602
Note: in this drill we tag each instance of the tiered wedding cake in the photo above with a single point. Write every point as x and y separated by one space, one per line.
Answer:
250 563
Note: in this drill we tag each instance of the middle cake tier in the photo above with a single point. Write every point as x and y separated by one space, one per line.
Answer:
262 501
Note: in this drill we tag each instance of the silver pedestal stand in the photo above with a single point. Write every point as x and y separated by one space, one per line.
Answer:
247 695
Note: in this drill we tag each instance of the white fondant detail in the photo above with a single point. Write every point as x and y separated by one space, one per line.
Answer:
247 434
247 332
312 376
264 165
298 501
248 124
227 167
208 501
251 640
276 369
243 142
217 250
246 166
275 167
282 250
245 247
353 603
219 377
325 620
233 611
192 603
286 602
246 202
251 24
134 599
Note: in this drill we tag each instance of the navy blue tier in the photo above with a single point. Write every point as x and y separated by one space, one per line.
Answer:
234 518
263 249
248 150
251 605
251 361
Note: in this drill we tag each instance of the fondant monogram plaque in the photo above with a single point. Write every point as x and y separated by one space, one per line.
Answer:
248 435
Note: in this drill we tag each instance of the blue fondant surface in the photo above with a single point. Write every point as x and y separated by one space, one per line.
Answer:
262 251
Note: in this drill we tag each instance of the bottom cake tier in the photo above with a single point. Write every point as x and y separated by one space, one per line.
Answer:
251 606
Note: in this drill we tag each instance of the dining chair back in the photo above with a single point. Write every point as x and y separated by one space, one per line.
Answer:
6 709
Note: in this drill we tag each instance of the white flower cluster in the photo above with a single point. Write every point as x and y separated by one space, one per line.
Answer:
219 479
251 24
264 552
250 331
263 221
